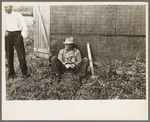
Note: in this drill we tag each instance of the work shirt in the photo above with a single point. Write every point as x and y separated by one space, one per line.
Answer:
72 56
15 22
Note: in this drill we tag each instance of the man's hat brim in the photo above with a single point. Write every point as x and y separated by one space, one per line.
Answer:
68 42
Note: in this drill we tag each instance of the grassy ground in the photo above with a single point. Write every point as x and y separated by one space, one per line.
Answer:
114 80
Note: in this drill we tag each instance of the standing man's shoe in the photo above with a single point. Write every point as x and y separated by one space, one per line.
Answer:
26 76
12 76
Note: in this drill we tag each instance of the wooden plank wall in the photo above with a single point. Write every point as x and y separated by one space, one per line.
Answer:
39 43
114 31
36 26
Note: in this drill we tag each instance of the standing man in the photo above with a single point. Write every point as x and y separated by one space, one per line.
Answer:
69 58
15 31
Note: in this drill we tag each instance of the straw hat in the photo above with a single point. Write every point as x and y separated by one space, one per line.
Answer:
69 40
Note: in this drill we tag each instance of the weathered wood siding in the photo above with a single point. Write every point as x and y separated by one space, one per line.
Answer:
114 31
98 20
40 45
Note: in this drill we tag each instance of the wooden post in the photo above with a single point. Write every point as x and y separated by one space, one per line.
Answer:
50 35
90 59
43 30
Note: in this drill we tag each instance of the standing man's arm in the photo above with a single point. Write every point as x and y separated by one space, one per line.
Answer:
24 31
5 25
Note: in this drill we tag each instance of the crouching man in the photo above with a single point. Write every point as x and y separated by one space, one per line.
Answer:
69 58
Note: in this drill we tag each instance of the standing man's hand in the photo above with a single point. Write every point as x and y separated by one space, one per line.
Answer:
6 33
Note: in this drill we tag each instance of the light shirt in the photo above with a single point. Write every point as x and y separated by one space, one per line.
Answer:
72 56
15 22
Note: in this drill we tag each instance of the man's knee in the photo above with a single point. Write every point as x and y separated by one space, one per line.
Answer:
53 58
86 60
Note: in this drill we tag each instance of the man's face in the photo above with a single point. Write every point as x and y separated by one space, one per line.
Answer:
68 46
8 9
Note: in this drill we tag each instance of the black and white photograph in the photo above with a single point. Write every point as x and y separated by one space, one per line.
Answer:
75 52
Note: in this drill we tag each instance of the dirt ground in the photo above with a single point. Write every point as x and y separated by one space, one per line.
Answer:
114 80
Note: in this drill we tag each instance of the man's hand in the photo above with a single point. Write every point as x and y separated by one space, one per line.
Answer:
72 66
6 33
67 66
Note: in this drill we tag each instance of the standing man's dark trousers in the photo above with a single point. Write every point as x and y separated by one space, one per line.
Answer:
15 39
80 69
